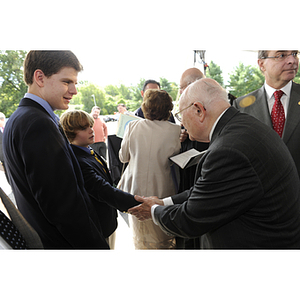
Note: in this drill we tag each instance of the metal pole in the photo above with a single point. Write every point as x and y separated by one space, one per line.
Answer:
94 99
202 57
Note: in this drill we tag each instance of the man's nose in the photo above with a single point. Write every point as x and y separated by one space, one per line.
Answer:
292 59
72 89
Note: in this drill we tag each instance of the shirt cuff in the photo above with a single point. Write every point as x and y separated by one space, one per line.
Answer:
167 201
152 214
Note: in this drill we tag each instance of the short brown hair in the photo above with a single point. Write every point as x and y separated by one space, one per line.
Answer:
157 105
262 54
74 120
50 62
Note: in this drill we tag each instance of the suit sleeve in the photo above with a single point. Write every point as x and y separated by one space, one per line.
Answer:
99 189
227 187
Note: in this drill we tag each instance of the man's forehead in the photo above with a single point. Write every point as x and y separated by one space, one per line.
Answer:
280 51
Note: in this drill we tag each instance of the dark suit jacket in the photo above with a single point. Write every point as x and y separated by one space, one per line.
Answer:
291 132
246 194
47 181
105 197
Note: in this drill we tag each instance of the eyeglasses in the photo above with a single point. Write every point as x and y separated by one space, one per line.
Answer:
283 56
178 114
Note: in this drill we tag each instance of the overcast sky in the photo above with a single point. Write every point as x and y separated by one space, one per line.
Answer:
128 65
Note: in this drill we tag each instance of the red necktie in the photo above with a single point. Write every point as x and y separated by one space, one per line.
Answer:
277 114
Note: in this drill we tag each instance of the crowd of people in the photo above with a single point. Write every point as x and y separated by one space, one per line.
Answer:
243 194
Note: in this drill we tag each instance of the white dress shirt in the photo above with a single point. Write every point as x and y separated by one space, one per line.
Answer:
284 99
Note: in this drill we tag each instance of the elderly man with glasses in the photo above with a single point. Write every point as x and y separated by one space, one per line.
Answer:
282 112
246 193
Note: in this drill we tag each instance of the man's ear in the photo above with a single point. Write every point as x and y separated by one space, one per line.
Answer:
201 111
38 77
260 63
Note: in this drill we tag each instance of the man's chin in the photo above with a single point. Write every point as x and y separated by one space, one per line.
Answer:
64 107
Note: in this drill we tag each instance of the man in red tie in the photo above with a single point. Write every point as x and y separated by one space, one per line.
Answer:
281 113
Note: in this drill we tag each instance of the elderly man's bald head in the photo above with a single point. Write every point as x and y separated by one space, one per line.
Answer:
201 104
205 90
188 77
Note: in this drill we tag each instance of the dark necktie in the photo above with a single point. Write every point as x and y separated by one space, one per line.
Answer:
277 114
97 159
10 233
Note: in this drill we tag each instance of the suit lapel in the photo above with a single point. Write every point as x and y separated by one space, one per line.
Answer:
293 113
260 108
89 159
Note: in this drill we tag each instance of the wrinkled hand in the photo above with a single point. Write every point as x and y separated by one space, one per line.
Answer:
143 211
183 135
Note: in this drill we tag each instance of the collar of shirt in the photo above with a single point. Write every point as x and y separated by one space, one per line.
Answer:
284 99
44 104
215 124
86 149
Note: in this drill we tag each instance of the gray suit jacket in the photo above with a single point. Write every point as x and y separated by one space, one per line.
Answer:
291 132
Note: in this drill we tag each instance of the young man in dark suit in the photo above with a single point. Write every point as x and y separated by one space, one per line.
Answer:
42 170
246 193
78 126
279 68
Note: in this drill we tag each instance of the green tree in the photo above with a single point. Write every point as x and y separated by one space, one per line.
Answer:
244 80
297 77
214 72
112 90
125 92
12 86
85 96
136 100
170 87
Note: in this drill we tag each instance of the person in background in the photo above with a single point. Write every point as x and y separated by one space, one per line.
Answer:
187 176
42 169
78 126
281 113
100 132
147 146
2 123
121 110
246 195
154 85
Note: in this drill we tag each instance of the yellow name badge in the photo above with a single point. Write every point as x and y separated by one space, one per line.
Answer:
247 101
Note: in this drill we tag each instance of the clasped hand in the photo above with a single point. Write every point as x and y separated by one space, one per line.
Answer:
143 211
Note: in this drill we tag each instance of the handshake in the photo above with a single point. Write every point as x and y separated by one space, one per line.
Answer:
143 211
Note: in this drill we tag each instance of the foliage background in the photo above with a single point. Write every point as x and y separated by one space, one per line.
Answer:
243 80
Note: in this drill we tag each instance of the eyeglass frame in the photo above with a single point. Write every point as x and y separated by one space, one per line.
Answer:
179 112
285 56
